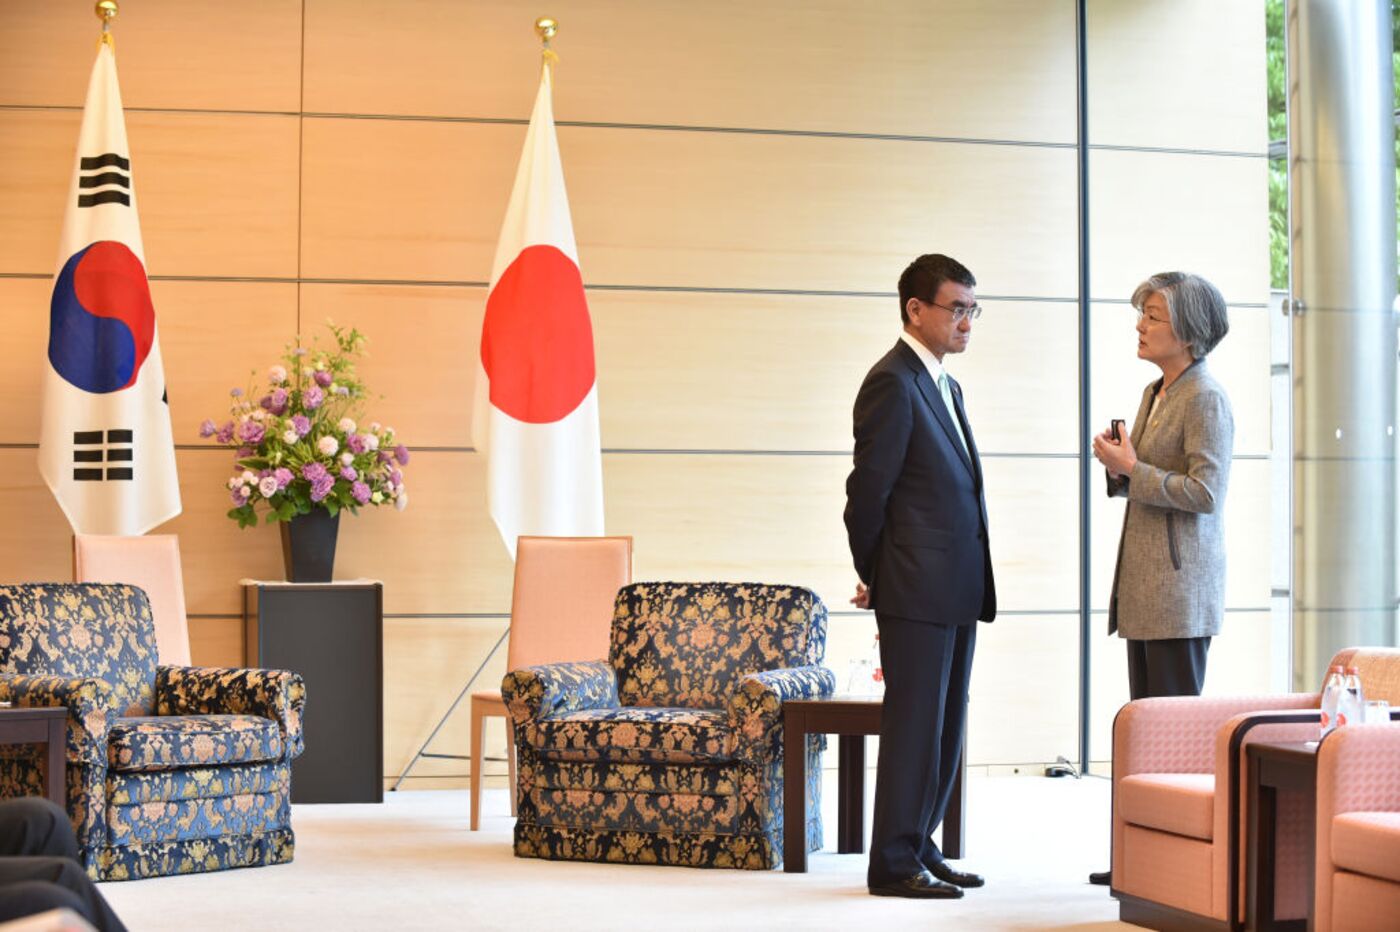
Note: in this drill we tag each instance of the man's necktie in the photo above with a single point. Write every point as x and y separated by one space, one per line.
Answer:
952 411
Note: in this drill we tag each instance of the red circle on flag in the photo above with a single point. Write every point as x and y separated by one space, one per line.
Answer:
537 340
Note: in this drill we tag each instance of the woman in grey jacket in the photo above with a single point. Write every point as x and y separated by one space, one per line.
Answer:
1168 594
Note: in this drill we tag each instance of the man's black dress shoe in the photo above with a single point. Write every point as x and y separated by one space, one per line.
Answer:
922 886
1101 878
943 872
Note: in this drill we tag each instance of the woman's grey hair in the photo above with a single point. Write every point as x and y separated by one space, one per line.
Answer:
1196 307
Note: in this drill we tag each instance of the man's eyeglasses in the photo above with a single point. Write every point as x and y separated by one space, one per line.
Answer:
959 312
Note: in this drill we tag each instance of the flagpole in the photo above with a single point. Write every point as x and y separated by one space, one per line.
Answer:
106 11
546 28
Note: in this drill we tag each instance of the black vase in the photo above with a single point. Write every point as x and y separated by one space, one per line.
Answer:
308 546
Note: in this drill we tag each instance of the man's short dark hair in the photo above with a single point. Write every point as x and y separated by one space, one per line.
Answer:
926 275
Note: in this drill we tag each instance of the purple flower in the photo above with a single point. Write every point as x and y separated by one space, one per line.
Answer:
245 451
401 454
360 492
251 432
207 428
321 487
276 402
323 378
301 424
240 494
284 476
342 390
235 392
395 476
225 433
356 443
312 398
348 473
314 471
299 351
384 456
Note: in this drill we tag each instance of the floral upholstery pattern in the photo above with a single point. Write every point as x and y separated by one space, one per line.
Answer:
631 733
160 742
671 752
170 769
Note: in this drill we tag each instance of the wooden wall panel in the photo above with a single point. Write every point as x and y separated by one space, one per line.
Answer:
881 67
1240 363
216 642
1185 74
24 309
1154 211
1025 690
35 542
170 53
691 209
426 663
708 371
217 193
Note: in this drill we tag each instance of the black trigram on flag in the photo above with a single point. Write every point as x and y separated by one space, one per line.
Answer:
111 173
88 448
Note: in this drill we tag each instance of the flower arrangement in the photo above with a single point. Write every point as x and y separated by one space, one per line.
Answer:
301 446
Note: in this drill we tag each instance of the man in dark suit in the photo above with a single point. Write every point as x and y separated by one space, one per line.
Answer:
917 521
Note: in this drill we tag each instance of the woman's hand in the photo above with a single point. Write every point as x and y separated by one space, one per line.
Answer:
1118 457
862 596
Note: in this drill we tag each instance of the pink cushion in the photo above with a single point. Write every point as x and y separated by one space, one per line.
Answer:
1363 904
1368 843
1180 803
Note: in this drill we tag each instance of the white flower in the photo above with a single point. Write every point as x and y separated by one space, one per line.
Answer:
247 478
277 375
401 499
268 486
377 497
374 427
346 426
233 482
347 458
327 445
258 415
371 442
307 371
290 437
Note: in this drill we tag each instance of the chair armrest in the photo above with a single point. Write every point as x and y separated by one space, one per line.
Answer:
1356 771
756 707
1178 734
276 694
89 703
535 693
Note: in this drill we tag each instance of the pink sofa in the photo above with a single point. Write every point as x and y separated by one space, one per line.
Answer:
1358 830
1178 792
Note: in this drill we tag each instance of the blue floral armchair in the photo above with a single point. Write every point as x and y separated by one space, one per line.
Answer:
171 770
670 751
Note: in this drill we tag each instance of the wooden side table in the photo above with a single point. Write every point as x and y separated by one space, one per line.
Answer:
1273 766
41 725
333 635
852 720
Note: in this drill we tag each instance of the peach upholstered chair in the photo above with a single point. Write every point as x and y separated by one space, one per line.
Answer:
561 611
151 563
1358 830
1178 791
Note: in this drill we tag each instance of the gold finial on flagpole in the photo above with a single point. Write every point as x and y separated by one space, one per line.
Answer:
545 28
106 10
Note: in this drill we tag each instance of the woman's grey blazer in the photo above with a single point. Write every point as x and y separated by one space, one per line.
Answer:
1170 577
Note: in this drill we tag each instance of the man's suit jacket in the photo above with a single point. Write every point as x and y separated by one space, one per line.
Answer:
916 515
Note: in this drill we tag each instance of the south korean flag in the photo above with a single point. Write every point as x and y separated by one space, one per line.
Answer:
105 449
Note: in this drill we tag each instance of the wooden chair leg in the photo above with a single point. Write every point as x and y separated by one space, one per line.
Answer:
510 760
478 745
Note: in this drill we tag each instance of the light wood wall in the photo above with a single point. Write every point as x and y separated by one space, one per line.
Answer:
747 182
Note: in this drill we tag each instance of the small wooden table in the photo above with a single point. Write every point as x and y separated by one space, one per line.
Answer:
41 725
1274 766
852 719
